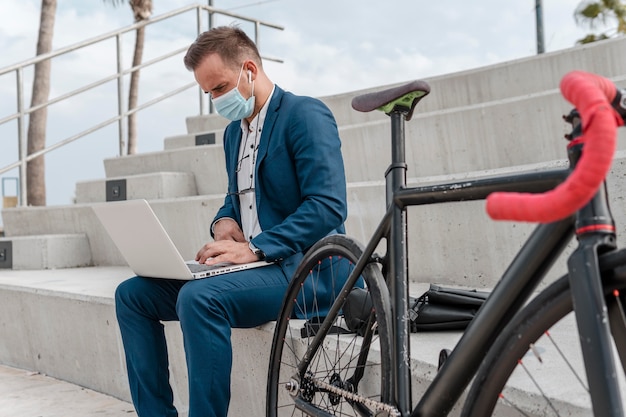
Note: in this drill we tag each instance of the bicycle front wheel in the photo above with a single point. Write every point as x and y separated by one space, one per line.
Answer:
349 373
535 367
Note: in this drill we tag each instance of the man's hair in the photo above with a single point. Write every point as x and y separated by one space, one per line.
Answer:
229 42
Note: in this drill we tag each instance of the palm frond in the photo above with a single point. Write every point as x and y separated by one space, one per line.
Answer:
595 13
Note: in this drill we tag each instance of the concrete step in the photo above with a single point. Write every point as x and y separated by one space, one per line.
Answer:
51 251
67 330
149 186
67 326
526 130
187 221
205 163
498 82
488 135
452 243
206 123
194 139
513 78
457 243
29 394
82 344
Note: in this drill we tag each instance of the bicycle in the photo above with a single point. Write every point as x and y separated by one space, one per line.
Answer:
318 369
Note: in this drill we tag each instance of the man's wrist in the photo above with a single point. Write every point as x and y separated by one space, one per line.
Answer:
216 222
256 251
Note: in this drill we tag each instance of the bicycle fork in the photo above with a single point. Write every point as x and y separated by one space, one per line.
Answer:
593 327
595 231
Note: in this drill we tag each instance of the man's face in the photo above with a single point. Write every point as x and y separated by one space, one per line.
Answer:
215 77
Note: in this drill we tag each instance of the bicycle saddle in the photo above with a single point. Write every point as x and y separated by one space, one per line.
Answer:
403 98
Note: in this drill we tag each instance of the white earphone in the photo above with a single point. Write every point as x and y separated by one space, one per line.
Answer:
249 76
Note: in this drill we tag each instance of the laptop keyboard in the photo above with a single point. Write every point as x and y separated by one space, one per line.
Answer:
199 267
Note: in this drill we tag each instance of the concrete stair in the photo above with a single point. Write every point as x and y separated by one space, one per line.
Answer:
45 252
194 139
56 306
204 162
507 81
151 185
86 350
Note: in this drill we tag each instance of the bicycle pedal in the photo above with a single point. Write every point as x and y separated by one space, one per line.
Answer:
443 356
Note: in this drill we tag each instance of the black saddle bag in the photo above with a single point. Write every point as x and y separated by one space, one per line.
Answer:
443 308
439 308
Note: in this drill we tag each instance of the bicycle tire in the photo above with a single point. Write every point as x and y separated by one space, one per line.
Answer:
343 360
528 344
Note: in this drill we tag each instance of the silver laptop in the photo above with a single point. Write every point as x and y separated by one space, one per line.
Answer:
148 250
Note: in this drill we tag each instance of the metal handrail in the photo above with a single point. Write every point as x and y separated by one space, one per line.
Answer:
22 112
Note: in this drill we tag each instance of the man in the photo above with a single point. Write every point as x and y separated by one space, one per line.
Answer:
286 190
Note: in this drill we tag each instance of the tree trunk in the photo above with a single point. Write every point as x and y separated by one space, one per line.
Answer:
37 121
133 91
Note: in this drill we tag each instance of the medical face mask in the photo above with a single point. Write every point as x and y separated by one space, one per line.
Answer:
232 105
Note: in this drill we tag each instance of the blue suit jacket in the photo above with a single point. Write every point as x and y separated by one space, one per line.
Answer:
300 183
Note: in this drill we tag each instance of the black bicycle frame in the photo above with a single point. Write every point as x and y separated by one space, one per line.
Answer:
595 229
528 268
593 223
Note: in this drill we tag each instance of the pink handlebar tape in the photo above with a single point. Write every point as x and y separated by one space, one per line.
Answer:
592 95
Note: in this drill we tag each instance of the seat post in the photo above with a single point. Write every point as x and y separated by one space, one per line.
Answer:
398 268
396 173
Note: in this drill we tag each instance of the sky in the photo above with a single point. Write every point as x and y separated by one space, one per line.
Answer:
327 47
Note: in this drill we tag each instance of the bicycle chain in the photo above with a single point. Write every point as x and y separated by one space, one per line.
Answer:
390 410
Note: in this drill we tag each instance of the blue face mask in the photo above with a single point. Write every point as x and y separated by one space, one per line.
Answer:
232 105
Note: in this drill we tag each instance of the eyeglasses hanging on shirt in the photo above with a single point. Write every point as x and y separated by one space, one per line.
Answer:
248 155
250 188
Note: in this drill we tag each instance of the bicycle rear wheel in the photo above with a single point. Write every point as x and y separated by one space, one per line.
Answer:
535 367
349 374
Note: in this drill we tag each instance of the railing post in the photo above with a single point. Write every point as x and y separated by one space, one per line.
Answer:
211 22
211 26
120 96
21 138
257 37
199 30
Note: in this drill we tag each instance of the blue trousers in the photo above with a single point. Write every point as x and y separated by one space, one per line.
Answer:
207 310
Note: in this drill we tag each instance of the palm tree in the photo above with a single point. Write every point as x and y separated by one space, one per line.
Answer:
36 136
142 10
591 13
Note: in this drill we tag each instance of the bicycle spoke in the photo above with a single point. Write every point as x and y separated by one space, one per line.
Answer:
569 363
545 397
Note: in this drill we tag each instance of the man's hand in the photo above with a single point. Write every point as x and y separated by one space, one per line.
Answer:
225 251
227 229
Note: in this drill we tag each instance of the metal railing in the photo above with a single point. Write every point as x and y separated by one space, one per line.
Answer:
121 117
